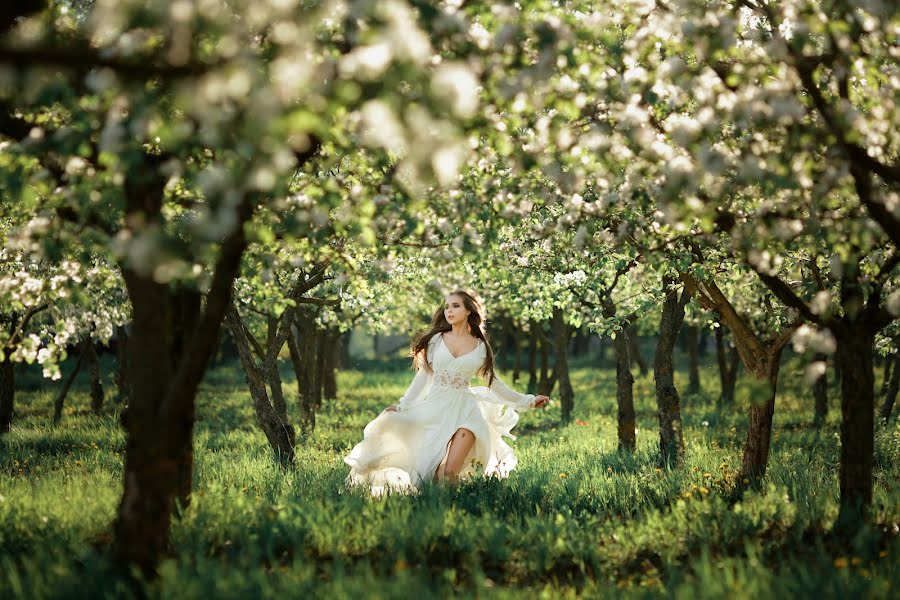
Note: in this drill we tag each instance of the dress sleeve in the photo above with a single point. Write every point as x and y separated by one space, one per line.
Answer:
420 385
509 396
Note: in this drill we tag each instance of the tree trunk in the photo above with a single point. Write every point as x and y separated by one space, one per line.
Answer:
517 359
64 390
702 336
601 352
729 361
331 339
891 396
152 451
345 361
186 305
886 378
121 365
624 394
543 383
692 334
759 417
854 355
272 416
303 348
635 351
563 332
159 419
624 385
532 359
93 364
820 393
7 393
671 440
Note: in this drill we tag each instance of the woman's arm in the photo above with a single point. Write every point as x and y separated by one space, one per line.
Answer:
418 388
510 397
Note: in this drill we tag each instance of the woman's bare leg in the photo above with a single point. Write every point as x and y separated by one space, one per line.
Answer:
460 445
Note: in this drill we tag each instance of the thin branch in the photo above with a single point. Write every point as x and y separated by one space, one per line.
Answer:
16 334
787 295
83 56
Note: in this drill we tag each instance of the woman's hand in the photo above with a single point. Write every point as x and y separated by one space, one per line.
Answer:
392 408
541 401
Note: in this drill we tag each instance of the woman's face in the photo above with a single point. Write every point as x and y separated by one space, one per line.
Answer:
455 310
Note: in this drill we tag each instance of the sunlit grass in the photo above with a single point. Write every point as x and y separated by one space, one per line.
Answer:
576 517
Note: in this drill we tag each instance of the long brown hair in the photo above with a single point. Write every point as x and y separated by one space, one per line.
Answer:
439 324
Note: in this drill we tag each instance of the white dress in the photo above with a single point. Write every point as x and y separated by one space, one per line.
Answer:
400 450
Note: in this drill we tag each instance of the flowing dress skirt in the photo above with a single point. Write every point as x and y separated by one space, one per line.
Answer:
400 451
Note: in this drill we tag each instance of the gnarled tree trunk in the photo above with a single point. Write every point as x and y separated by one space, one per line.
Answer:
271 415
761 357
671 440
759 417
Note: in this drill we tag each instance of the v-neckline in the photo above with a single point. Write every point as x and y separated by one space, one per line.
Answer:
447 348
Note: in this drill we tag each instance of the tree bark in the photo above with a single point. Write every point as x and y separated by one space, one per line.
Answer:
759 428
563 332
624 386
886 376
303 345
729 361
820 393
635 350
345 361
93 364
121 364
272 416
7 393
64 390
891 396
601 352
854 355
692 334
330 350
159 419
761 357
671 440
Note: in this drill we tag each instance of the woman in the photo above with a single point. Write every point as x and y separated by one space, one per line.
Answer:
442 429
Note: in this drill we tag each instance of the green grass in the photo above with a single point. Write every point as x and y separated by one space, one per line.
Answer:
576 519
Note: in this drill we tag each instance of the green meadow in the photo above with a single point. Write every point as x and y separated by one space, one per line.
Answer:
577 518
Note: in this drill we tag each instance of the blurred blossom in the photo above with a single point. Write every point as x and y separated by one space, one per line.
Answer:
455 81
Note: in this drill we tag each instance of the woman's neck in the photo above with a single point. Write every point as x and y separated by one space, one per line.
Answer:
461 330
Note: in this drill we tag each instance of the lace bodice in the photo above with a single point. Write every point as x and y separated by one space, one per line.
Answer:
451 379
455 373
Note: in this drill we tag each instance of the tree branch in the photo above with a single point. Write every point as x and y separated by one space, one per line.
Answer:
83 56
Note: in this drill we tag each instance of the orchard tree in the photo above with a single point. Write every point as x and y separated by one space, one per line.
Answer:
156 132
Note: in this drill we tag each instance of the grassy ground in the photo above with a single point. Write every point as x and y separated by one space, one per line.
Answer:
577 518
